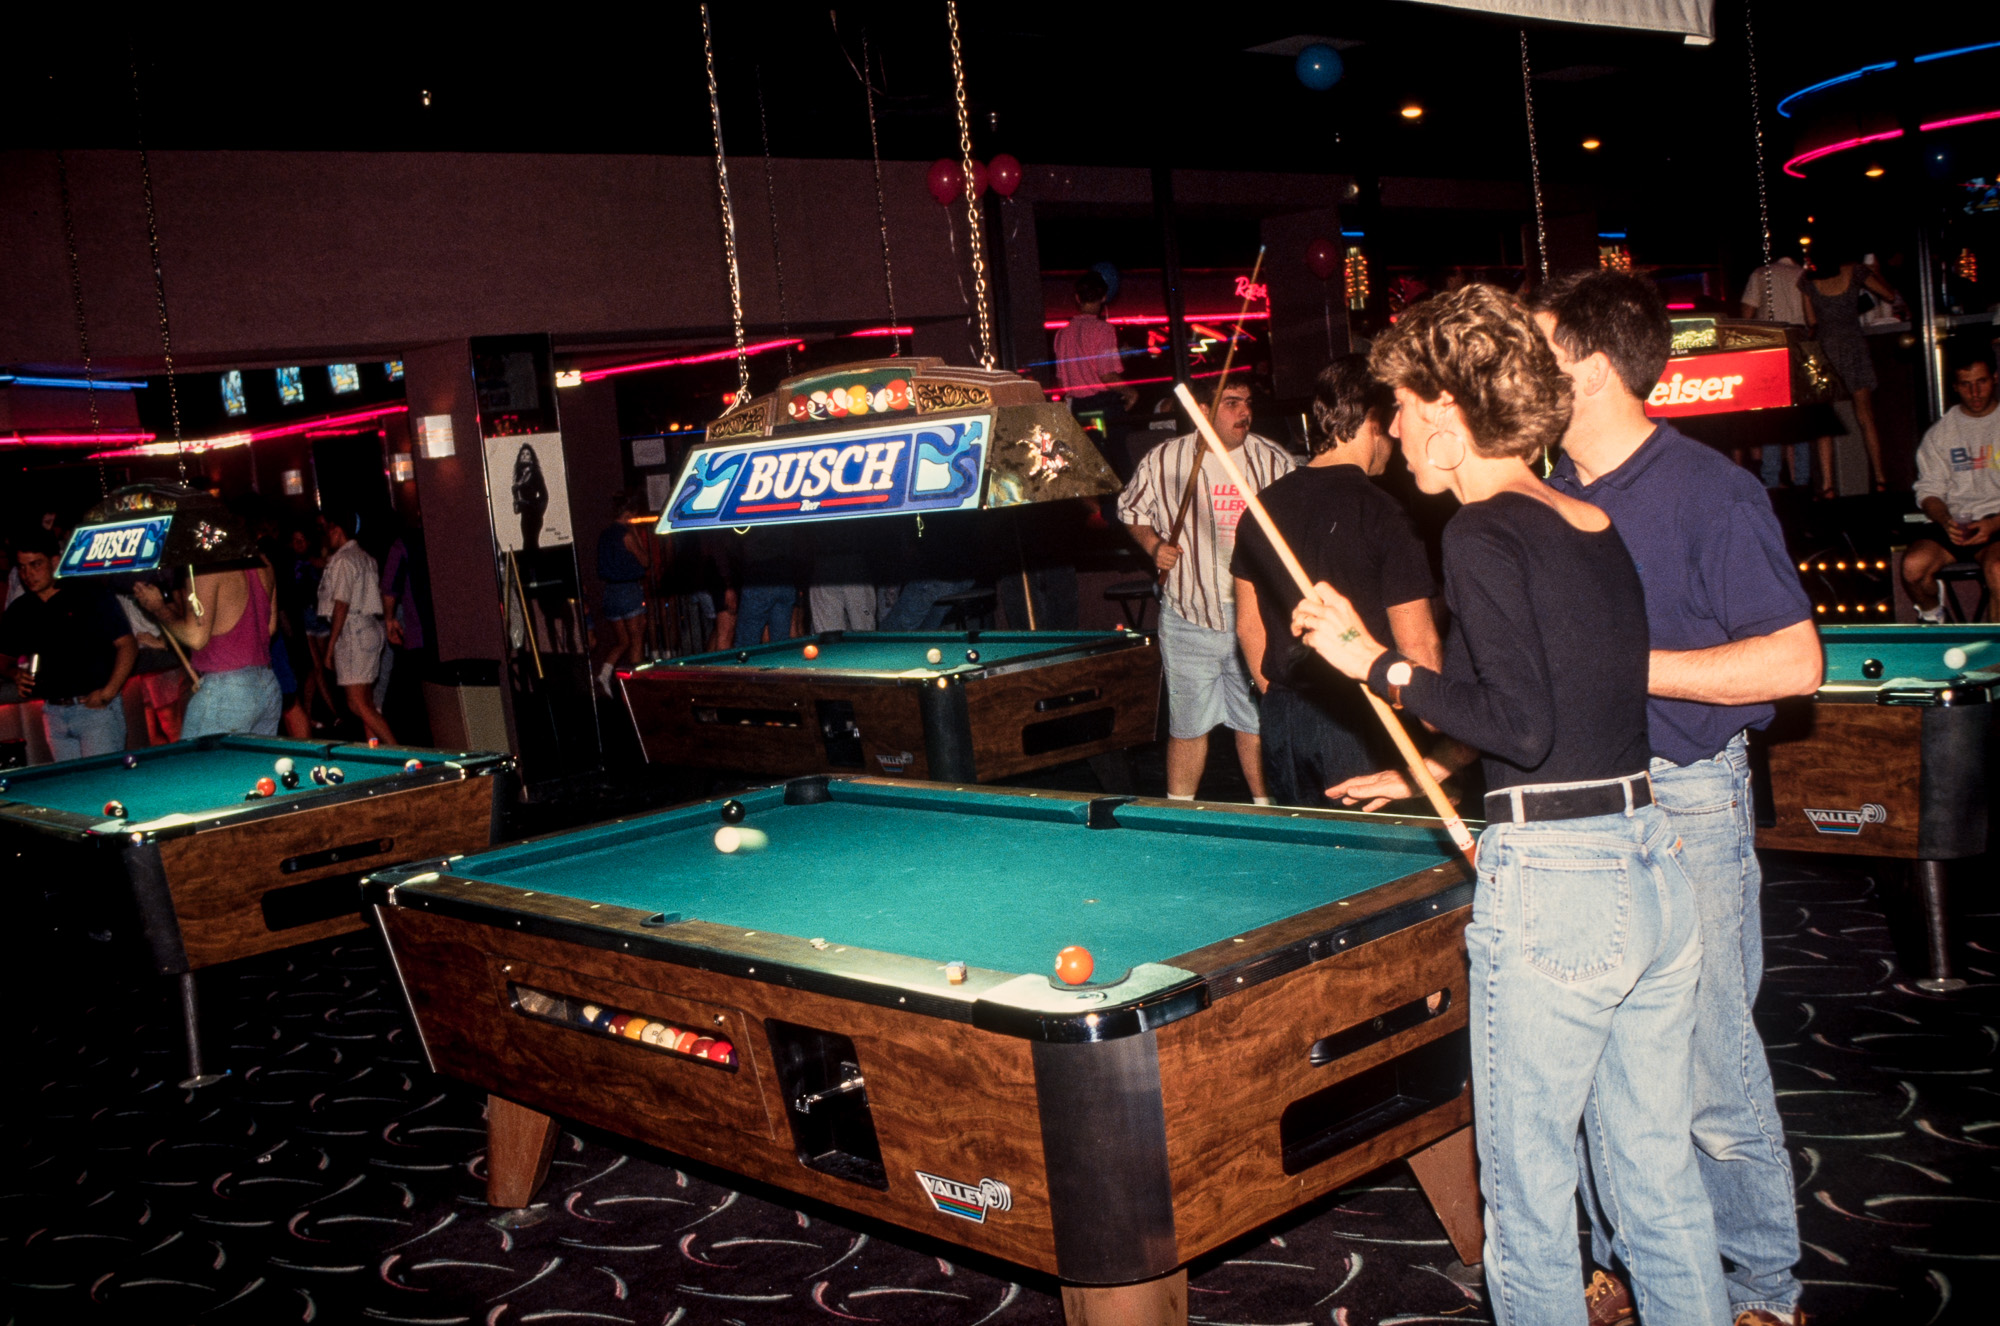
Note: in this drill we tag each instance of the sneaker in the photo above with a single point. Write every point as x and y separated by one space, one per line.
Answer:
1760 1317
1610 1303
1934 616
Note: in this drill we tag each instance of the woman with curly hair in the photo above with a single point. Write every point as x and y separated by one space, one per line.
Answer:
1584 944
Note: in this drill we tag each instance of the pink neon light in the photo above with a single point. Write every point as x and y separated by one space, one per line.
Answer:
331 421
1056 393
1962 119
1680 306
883 331
1831 148
72 439
1158 320
712 356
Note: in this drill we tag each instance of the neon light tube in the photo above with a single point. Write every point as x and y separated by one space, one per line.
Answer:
1831 148
884 331
73 439
308 425
1832 82
77 384
712 356
1963 50
1160 320
1960 119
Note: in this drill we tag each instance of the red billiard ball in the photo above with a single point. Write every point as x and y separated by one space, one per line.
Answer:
1074 965
720 1051
810 651
114 810
373 742
266 787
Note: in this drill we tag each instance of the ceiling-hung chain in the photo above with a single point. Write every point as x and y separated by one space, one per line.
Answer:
1763 189
981 302
881 198
771 200
159 276
82 323
1534 157
728 215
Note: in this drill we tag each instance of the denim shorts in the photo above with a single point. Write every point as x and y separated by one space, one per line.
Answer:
624 600
1208 685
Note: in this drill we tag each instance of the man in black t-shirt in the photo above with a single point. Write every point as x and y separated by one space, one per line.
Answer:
82 649
1318 729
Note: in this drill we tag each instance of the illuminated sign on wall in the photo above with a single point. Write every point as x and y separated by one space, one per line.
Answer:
903 468
1723 383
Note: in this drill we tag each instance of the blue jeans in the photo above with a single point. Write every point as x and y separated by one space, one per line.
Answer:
1801 464
1585 953
758 606
916 607
1738 1136
76 730
241 700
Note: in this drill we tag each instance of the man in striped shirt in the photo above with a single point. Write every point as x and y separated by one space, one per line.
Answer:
1208 685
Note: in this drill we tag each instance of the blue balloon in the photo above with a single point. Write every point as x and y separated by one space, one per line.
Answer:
1110 275
1319 66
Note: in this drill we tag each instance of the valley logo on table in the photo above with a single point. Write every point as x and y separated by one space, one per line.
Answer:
965 1200
1847 822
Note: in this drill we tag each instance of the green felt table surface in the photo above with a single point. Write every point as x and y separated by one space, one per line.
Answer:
902 651
999 881
188 778
1906 652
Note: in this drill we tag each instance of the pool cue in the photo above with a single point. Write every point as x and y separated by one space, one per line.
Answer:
1418 771
1027 590
1215 403
180 654
527 616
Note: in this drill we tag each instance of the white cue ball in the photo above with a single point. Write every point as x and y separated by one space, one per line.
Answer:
284 765
935 656
731 838
1955 658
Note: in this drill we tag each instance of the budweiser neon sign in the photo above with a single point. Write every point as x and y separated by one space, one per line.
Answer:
1723 383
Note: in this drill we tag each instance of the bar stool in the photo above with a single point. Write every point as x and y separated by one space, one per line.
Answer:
1133 597
1962 572
968 605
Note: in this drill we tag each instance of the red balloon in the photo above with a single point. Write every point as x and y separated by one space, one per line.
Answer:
1323 256
946 180
1006 174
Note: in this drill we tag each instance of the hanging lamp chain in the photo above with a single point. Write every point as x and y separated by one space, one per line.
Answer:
82 323
771 200
881 199
1763 187
1534 157
728 215
981 302
159 276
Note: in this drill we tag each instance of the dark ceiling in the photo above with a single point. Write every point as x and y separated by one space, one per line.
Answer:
1069 83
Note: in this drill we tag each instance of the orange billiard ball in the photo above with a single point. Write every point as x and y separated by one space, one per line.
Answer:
811 651
1074 965
266 787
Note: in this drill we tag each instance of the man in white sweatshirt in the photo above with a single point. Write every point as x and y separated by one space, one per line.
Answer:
1958 487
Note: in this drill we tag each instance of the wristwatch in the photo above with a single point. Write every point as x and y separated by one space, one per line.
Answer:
1398 676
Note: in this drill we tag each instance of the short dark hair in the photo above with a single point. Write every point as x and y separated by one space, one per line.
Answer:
1345 397
35 539
1092 288
348 522
1614 312
1478 344
1972 356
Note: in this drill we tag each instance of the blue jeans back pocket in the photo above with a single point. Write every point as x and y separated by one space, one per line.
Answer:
1575 912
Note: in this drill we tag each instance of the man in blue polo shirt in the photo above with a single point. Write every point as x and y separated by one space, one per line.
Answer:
1732 632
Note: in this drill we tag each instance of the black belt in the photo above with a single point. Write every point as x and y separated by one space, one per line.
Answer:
1569 801
59 704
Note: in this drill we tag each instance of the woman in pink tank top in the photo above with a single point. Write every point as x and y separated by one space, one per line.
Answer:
238 690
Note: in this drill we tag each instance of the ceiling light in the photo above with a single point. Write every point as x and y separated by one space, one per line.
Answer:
1874 171
1591 144
1413 111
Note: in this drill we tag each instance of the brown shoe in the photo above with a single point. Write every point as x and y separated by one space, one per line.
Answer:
1759 1317
1610 1303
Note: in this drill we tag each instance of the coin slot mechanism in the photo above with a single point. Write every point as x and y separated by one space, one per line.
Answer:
826 1101
840 733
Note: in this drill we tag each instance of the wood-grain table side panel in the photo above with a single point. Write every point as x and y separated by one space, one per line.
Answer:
218 876
1229 1072
1002 707
1831 756
663 705
946 1098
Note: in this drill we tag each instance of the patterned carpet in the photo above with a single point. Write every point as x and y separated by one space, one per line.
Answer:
333 1179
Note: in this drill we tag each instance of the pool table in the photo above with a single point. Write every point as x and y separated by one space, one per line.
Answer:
996 704
865 1012
1890 758
216 877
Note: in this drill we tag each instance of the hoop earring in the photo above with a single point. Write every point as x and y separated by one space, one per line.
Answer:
1428 442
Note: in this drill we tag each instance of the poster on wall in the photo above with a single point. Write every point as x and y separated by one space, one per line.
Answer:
529 490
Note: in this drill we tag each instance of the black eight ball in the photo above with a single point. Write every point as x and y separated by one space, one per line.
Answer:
1871 668
972 655
742 656
289 778
732 812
